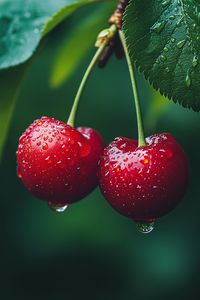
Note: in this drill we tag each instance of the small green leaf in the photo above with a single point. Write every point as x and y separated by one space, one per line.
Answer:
10 82
76 45
23 23
163 39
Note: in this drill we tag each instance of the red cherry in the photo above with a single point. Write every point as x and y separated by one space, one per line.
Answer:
58 163
144 183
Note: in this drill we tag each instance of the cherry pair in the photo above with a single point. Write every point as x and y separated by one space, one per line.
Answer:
59 164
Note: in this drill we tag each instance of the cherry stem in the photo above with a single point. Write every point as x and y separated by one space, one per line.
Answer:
141 138
72 117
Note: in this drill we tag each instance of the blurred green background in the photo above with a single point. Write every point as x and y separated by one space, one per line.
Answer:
91 252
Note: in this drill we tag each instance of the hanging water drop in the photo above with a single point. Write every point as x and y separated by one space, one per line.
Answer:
188 80
58 209
19 175
145 227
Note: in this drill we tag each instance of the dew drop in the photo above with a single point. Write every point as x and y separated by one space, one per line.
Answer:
145 161
172 17
19 175
188 80
145 227
195 61
58 209
180 44
163 58
45 138
166 2
167 70
166 49
27 15
194 26
158 27
45 146
36 31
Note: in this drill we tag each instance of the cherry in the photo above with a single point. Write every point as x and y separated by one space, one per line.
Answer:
143 183
58 163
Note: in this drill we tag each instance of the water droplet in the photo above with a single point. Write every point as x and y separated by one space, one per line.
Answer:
180 44
19 173
163 58
194 25
145 227
36 31
158 27
58 209
167 69
166 2
195 61
27 15
45 146
45 138
188 80
173 40
166 49
145 161
172 17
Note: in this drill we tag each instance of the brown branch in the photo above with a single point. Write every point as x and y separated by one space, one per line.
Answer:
116 17
115 45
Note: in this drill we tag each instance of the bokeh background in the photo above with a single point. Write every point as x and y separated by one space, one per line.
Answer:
91 252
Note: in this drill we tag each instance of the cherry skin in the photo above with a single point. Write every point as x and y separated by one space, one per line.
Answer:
58 163
143 183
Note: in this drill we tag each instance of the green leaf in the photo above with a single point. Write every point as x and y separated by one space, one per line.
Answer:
23 23
60 15
163 38
10 82
76 46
